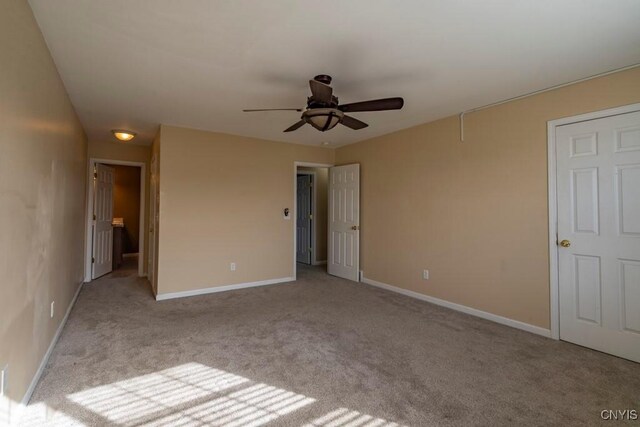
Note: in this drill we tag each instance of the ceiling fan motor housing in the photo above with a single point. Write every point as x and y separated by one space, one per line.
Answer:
323 78
326 100
313 103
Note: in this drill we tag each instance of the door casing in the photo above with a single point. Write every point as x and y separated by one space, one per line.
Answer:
554 289
153 224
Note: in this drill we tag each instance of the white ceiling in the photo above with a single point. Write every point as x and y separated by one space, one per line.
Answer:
134 64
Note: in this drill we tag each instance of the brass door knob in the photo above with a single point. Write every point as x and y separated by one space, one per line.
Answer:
565 243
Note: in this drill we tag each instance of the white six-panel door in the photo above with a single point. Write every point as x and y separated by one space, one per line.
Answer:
103 230
303 219
344 222
598 190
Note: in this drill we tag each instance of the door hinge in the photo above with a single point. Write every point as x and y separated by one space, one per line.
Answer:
310 249
310 216
94 217
93 260
95 175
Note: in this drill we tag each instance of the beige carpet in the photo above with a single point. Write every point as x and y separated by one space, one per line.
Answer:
320 352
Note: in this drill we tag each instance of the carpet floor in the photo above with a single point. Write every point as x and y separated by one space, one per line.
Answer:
321 351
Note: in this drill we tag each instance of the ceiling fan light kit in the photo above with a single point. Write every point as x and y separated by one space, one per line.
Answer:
323 119
323 111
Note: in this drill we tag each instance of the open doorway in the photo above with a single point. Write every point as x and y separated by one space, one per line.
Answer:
311 210
305 222
126 216
115 220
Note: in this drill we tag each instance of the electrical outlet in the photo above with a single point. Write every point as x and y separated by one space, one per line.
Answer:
233 266
425 274
53 306
4 380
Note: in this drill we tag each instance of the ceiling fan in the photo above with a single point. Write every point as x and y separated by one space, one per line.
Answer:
323 111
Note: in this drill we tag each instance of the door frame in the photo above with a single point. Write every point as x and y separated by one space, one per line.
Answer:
297 164
313 213
89 214
152 270
554 281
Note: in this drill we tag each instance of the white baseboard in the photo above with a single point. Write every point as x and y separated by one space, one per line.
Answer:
320 262
214 289
45 358
462 308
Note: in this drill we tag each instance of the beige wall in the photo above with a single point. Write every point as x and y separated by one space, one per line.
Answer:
321 219
113 150
43 152
473 213
221 201
126 204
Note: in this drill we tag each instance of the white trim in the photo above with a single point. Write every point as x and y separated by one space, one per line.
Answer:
323 262
462 308
554 309
89 217
45 358
296 164
313 165
554 287
215 289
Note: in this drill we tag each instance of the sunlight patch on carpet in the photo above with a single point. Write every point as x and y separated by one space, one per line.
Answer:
189 395
344 417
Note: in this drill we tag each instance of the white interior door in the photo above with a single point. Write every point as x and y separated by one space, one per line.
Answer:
103 217
598 179
344 222
303 219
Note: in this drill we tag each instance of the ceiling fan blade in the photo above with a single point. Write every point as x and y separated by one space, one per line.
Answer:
353 123
273 109
374 105
295 126
321 92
